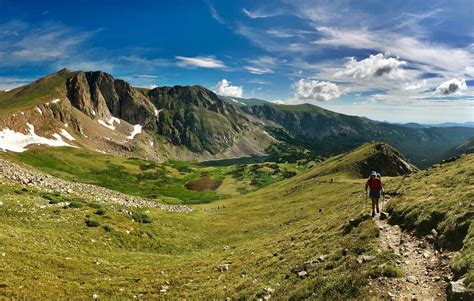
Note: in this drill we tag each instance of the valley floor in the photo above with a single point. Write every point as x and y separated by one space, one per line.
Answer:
305 237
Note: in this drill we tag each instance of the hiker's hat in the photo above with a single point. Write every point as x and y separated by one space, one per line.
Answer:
374 173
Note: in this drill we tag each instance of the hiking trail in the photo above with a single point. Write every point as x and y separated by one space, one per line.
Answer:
426 270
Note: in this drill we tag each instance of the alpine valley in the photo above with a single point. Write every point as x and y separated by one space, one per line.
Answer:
110 191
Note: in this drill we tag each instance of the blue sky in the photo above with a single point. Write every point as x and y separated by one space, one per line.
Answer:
388 60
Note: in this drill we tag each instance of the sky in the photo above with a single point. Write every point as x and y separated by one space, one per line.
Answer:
396 61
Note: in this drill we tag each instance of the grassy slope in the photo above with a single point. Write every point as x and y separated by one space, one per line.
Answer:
26 97
440 198
164 182
269 233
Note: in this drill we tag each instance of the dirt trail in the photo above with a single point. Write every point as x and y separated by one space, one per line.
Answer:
426 271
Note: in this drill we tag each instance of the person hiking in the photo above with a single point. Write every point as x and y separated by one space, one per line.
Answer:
375 185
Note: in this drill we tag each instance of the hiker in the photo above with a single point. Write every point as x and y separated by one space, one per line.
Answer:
375 185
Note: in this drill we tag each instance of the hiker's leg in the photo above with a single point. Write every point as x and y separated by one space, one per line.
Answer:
377 204
373 206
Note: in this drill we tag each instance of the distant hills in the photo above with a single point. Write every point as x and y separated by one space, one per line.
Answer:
439 125
95 111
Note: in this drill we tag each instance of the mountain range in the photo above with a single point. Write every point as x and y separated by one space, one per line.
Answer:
93 110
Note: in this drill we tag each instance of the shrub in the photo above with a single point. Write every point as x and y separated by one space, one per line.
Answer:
76 204
101 211
108 228
92 223
392 271
52 197
140 217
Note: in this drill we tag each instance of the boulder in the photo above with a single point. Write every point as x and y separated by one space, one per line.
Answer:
457 291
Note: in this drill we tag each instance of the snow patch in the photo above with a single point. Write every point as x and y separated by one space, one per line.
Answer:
93 112
66 135
39 110
113 119
17 142
66 125
137 129
157 114
236 101
56 101
152 143
109 123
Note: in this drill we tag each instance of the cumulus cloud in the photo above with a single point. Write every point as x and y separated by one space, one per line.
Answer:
409 48
451 87
316 90
374 66
224 88
416 85
200 62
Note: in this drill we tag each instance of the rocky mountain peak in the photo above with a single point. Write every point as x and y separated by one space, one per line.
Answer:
387 161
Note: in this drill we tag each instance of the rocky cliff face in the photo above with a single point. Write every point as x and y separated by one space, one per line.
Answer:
99 95
190 116
197 118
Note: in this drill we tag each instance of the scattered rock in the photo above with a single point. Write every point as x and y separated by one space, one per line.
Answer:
412 279
365 258
15 173
223 267
303 274
384 215
457 291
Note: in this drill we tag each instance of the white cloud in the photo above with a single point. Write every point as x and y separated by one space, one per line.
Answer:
215 15
8 83
374 66
452 87
23 44
256 14
200 62
409 48
316 90
224 88
261 65
256 70
415 85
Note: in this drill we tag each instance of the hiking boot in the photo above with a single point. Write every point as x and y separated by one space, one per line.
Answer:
378 210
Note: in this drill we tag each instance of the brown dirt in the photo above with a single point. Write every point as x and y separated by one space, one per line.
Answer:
203 184
426 270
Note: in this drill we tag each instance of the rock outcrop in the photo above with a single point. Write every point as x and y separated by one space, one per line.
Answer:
387 161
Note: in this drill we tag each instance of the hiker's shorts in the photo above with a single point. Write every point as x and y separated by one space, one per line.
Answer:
375 194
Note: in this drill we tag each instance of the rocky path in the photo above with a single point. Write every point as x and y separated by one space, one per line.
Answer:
426 271
16 173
